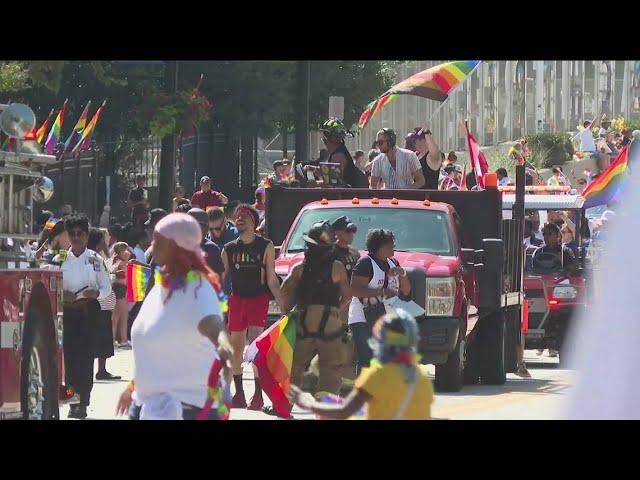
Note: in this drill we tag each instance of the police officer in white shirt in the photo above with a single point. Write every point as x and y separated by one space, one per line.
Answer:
85 279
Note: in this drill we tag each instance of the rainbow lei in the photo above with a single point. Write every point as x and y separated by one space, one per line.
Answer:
218 395
192 276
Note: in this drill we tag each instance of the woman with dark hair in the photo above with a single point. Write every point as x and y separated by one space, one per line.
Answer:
375 277
179 331
419 140
103 347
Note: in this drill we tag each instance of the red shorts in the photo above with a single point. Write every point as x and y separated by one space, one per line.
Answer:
247 312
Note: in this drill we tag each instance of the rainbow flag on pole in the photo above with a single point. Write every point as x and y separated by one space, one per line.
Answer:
56 130
272 354
435 83
607 187
137 281
85 138
77 130
42 131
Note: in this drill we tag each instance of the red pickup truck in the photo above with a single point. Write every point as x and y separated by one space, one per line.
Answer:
452 248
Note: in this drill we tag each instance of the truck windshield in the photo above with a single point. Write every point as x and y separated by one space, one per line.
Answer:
424 231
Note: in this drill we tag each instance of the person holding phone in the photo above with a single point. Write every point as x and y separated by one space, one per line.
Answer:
85 280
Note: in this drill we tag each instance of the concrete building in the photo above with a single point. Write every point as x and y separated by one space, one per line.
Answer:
505 100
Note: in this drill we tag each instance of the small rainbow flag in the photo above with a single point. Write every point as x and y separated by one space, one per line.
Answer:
85 139
137 281
42 131
272 354
51 223
435 83
607 187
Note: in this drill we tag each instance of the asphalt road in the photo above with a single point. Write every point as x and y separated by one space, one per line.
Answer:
540 397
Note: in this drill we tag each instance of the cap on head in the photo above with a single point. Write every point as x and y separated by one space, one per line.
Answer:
155 215
343 223
320 235
204 180
183 229
200 215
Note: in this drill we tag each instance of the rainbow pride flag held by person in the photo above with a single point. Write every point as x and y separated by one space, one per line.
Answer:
606 189
51 223
54 134
272 354
435 83
137 280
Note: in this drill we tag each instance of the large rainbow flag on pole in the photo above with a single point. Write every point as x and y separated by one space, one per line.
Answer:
435 83
606 189
137 280
272 354
54 134
85 138
77 130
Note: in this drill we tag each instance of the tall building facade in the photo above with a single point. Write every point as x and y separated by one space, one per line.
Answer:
505 100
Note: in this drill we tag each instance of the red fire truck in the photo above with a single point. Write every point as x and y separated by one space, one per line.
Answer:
31 361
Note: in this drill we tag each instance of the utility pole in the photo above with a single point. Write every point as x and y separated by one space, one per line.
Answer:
166 175
302 112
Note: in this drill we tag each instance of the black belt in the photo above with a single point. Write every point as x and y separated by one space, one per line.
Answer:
323 324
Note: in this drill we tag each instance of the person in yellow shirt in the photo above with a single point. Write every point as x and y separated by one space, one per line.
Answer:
393 387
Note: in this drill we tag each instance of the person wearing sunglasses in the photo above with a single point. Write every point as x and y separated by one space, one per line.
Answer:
395 168
221 232
85 279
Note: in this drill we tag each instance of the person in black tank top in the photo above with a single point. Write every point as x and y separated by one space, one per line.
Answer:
419 140
334 133
250 262
319 287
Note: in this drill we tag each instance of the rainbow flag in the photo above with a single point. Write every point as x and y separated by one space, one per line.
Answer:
272 354
85 138
137 281
54 135
435 83
51 223
606 188
42 131
77 130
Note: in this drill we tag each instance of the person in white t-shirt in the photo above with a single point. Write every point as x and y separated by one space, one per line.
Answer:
179 331
587 143
395 168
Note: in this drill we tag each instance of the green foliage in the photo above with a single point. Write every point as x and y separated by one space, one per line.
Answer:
548 149
13 77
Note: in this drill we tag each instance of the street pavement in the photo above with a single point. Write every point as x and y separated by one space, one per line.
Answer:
540 397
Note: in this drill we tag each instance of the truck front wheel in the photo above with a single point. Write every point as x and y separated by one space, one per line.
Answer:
450 375
38 392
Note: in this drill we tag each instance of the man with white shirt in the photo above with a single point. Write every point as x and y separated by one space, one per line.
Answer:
587 144
85 280
395 168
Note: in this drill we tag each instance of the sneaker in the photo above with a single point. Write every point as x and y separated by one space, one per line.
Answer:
238 401
107 376
125 345
77 411
272 411
522 371
256 403
553 353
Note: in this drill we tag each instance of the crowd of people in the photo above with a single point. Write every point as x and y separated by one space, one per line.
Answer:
210 246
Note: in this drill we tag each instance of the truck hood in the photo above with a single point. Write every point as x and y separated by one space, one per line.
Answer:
432 265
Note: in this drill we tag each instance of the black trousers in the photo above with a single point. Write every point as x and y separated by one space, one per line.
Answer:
79 325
